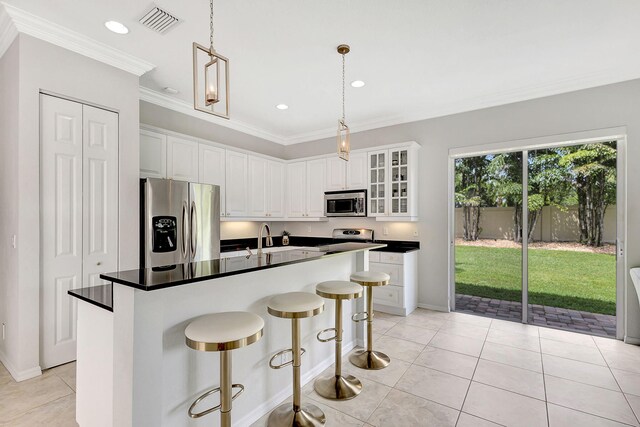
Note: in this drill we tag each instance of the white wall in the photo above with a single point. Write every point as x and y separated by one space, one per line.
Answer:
46 67
597 108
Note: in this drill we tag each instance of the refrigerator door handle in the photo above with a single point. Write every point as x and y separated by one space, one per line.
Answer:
185 231
194 230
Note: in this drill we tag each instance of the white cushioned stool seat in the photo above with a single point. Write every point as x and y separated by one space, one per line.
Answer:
371 278
339 289
224 331
295 305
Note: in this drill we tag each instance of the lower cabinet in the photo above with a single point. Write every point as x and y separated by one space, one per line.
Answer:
400 296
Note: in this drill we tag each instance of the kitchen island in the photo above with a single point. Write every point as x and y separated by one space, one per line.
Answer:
134 368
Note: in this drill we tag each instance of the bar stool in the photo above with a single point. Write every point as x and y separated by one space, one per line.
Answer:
368 358
295 306
223 332
336 386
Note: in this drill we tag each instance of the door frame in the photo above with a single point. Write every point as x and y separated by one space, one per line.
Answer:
619 134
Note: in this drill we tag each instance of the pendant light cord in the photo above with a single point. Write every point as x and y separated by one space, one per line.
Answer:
342 88
211 26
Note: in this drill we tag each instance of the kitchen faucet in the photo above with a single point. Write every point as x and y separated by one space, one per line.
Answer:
269 241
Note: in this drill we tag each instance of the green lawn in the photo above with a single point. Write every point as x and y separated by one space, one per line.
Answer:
576 280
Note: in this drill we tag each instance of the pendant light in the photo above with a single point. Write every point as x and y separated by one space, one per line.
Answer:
210 77
343 130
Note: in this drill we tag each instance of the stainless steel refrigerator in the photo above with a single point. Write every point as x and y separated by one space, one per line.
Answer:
180 222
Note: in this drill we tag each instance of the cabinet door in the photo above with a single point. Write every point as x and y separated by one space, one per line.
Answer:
236 182
257 186
212 170
336 173
99 194
316 171
297 189
399 182
275 189
182 159
357 171
61 231
377 194
153 154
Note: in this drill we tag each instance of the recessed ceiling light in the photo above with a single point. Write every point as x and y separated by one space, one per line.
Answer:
357 83
116 27
171 90
282 106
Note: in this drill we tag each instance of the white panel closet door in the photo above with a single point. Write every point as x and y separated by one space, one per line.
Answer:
100 195
60 226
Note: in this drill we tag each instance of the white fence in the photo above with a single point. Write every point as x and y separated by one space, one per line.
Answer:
554 225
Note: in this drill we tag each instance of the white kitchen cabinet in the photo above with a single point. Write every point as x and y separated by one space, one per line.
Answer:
257 186
357 171
336 173
393 182
296 189
211 170
275 189
182 159
153 154
315 187
236 183
400 296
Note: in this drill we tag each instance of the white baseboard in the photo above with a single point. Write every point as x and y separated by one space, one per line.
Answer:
434 307
15 373
632 340
267 406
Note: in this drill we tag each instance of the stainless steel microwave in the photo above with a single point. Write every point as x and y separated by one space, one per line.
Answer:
345 203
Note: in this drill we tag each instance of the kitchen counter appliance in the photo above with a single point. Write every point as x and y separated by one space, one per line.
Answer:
180 222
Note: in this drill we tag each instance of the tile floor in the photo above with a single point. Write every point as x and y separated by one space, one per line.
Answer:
448 369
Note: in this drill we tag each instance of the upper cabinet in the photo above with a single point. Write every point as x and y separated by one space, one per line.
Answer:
316 170
351 175
211 170
265 187
236 182
393 184
182 159
153 154
305 189
275 189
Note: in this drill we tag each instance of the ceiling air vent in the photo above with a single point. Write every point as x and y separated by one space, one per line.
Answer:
159 20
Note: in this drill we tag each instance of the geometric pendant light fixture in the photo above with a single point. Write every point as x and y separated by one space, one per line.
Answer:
210 77
343 130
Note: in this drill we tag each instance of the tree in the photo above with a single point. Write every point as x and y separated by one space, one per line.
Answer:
470 191
593 168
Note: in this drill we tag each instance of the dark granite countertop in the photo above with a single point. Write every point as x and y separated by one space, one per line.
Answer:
398 246
101 295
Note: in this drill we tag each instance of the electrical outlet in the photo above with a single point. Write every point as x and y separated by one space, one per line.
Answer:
385 231
309 229
13 241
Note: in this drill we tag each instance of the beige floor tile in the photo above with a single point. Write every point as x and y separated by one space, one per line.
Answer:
427 321
381 326
582 372
572 351
513 339
5 376
397 348
360 407
629 382
624 360
388 376
634 401
59 413
592 400
517 380
610 344
465 330
566 336
447 361
467 420
386 316
434 385
560 416
514 327
18 398
66 372
504 407
470 318
401 409
334 418
464 345
411 333
512 356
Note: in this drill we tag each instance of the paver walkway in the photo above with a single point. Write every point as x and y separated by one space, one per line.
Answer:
542 315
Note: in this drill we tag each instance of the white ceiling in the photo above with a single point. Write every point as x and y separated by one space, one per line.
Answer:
419 58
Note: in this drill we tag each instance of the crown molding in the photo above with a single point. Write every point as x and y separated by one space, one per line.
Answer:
162 100
8 31
27 23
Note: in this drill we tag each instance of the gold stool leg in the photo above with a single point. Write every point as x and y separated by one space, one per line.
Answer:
225 389
368 358
298 416
337 387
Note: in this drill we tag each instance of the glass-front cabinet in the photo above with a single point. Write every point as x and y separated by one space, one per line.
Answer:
393 183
